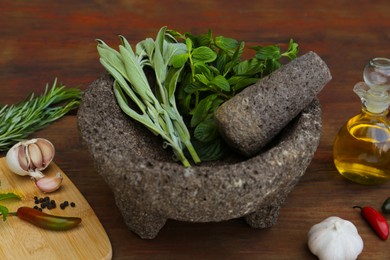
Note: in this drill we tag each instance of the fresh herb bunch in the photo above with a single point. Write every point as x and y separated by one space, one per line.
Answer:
20 120
213 73
153 106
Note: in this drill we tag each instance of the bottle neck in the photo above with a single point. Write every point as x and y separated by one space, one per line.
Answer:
376 114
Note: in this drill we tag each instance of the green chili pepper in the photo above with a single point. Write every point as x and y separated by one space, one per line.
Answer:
46 221
386 206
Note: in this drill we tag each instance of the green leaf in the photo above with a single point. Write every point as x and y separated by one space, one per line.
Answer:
111 56
214 70
172 78
145 47
268 52
6 196
235 59
189 44
221 61
202 79
249 67
195 87
202 68
206 131
272 65
210 151
179 60
4 212
227 44
9 195
221 83
201 111
244 83
203 54
292 51
205 39
173 49
159 42
136 74
216 103
159 64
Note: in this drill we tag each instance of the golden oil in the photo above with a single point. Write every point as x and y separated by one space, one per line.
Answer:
361 150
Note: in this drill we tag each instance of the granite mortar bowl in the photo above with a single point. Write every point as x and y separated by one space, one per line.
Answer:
149 187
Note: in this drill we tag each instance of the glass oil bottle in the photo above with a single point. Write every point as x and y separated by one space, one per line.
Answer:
361 150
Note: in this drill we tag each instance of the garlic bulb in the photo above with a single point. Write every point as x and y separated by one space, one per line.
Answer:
49 184
30 157
335 238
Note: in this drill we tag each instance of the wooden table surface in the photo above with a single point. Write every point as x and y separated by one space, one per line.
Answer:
42 40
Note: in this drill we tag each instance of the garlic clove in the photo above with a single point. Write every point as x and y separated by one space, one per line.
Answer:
35 156
22 157
13 161
47 150
49 184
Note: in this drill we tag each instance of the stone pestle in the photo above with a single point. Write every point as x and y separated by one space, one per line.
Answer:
249 120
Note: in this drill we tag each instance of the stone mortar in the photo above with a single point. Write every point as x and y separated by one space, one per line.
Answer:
150 188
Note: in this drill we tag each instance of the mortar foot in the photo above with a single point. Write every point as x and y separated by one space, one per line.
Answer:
144 224
264 217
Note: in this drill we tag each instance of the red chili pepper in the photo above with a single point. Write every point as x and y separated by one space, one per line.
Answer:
46 221
376 221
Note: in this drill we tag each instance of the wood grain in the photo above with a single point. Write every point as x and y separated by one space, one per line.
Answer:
22 240
41 40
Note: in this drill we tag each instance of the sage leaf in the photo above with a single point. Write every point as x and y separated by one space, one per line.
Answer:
145 47
172 78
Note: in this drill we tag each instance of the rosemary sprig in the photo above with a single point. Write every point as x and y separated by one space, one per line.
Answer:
20 120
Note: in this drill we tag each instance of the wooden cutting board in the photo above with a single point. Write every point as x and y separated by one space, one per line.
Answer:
22 240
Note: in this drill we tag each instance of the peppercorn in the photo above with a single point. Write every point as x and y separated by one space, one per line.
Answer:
46 202
63 205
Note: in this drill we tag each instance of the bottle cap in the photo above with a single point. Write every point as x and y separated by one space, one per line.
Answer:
374 91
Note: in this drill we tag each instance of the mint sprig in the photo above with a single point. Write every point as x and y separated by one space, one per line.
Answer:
215 72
